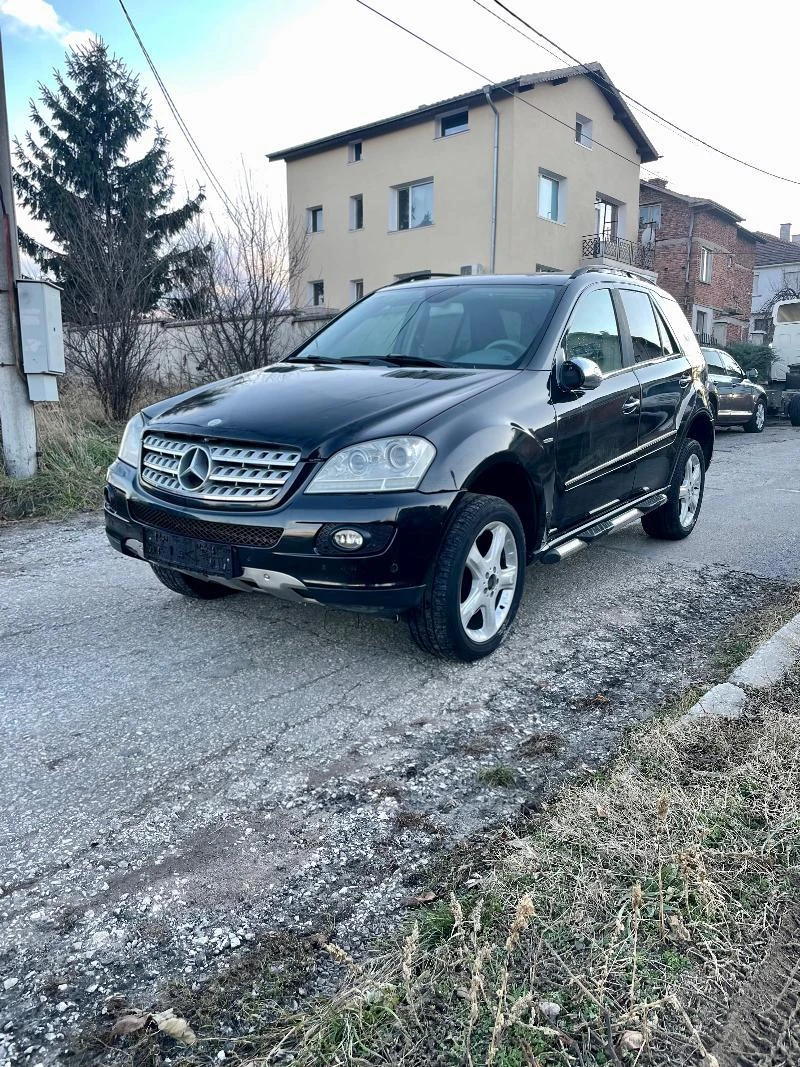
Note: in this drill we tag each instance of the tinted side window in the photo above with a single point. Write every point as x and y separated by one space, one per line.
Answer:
732 365
593 332
715 361
680 325
668 342
642 323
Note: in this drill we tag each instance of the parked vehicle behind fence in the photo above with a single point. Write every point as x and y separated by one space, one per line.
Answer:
425 447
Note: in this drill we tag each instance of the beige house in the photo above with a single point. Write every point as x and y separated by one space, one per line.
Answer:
537 173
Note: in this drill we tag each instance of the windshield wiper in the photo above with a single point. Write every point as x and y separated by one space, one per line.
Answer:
401 360
313 359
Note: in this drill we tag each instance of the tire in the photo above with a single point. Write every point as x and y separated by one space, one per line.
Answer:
758 420
665 523
187 585
485 536
714 411
794 410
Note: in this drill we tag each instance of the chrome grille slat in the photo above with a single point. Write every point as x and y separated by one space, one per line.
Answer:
236 472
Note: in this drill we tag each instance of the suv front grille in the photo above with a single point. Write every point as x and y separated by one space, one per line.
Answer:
227 533
215 470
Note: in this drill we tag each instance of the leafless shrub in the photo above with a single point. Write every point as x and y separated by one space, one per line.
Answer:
245 284
113 268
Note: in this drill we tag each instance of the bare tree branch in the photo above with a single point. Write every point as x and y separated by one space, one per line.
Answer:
246 280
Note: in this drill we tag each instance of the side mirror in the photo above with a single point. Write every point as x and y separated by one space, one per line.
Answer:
579 373
752 374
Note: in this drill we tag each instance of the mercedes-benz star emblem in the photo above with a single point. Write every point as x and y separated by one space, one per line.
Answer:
194 468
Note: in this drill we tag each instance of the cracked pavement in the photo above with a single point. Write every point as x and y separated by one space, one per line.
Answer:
178 779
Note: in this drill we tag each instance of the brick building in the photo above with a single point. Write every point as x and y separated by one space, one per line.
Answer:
703 256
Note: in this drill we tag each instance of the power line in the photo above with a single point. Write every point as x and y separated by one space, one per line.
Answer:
654 114
205 166
485 78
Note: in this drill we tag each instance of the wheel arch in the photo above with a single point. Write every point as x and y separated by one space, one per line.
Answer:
505 477
701 429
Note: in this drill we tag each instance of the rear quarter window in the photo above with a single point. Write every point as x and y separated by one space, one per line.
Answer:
680 327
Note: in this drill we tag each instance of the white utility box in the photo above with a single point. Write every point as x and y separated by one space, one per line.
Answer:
40 325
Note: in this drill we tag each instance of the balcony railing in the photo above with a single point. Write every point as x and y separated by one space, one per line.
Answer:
620 250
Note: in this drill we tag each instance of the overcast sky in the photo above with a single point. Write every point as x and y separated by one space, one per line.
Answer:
252 76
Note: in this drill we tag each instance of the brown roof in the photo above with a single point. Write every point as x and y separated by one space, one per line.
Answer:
694 201
476 98
773 250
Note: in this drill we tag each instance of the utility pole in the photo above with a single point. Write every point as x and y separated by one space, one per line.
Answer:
17 422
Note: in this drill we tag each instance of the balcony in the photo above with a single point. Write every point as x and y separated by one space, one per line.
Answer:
619 253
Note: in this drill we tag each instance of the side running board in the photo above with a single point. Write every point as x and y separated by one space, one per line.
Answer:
602 529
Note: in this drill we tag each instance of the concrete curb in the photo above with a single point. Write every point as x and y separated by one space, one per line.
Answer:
765 667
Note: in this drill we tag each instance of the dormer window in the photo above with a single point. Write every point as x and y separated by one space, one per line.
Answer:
457 122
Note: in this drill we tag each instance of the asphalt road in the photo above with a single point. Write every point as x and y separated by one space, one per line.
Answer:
178 777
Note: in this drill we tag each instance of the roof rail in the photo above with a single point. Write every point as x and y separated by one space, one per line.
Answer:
607 270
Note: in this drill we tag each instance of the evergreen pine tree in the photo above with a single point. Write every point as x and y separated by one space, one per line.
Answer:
81 169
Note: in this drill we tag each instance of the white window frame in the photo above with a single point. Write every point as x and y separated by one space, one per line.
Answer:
706 271
351 151
440 134
650 221
394 207
312 296
356 289
584 138
561 182
310 212
353 200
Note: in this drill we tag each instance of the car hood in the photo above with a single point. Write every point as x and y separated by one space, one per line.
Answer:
319 408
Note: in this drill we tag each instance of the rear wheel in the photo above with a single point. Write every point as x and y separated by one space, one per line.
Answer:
794 411
477 582
188 585
759 419
677 518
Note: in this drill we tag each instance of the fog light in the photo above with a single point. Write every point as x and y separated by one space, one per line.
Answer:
348 539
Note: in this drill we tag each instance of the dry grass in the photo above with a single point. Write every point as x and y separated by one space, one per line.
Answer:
614 931
76 444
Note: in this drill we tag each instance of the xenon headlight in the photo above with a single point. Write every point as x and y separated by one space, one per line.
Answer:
131 440
381 466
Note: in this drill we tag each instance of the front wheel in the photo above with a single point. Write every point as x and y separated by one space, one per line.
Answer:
677 518
758 421
477 582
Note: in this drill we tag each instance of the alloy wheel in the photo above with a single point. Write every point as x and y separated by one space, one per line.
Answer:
689 492
761 416
488 582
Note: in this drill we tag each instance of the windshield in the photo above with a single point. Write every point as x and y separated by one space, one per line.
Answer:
458 325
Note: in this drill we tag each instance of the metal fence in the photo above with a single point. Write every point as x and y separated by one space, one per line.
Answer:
621 250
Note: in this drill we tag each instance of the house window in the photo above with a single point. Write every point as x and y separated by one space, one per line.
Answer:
315 220
650 213
701 323
551 197
413 205
458 122
606 219
356 289
706 260
317 293
583 131
357 212
354 151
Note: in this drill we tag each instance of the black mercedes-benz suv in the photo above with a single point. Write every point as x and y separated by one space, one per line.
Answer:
425 446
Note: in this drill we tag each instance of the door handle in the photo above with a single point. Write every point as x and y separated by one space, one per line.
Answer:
631 405
685 380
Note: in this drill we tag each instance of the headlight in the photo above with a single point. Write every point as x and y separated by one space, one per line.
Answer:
375 467
131 440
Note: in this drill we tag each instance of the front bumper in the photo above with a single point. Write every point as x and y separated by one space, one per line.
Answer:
300 565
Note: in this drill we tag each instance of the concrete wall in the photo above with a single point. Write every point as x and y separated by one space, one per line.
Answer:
178 351
461 167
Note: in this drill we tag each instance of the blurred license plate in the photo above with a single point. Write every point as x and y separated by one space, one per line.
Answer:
186 554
